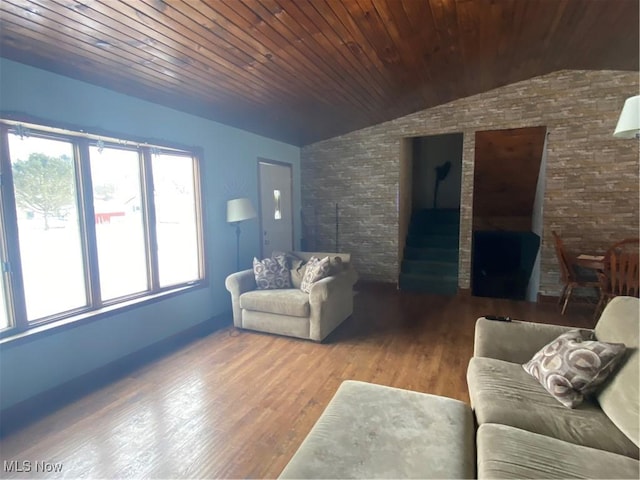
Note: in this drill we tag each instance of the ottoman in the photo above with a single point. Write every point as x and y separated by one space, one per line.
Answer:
374 431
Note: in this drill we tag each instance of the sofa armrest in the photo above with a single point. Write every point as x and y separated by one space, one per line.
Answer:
513 341
238 283
331 302
322 289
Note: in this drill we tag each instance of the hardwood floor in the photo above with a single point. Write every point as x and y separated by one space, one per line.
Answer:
237 404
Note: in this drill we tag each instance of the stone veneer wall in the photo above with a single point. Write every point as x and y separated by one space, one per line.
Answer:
592 186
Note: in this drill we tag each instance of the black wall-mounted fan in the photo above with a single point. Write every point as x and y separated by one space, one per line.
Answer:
441 173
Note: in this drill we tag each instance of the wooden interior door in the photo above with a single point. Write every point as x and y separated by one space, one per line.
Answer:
276 206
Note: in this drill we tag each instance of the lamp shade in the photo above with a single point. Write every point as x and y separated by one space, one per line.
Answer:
629 121
240 209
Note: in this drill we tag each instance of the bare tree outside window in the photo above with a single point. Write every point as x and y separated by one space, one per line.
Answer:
44 185
48 221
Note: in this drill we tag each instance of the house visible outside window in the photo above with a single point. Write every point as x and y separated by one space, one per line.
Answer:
88 223
119 220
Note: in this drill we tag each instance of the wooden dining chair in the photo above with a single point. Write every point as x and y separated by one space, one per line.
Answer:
569 275
621 275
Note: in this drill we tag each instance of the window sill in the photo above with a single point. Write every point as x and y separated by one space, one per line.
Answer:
58 326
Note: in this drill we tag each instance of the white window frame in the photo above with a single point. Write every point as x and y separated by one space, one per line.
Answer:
96 307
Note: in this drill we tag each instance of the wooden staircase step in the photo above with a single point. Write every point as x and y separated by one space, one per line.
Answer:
431 253
430 267
445 285
437 241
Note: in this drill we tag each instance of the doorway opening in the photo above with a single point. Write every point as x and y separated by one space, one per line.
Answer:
508 194
429 205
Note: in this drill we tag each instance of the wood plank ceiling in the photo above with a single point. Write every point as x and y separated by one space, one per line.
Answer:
305 70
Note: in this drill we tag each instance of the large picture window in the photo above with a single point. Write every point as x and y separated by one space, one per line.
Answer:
51 259
88 222
120 233
176 217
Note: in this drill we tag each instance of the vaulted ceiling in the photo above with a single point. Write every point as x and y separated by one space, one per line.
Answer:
305 70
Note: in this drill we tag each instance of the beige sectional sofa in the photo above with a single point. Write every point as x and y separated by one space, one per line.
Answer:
290 311
374 431
523 432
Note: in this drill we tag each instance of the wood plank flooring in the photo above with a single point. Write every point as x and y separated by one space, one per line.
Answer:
237 404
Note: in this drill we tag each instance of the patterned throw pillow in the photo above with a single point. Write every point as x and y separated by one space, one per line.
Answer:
271 273
316 269
282 258
574 365
295 264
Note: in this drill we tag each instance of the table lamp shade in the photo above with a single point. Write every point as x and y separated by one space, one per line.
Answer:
240 209
629 121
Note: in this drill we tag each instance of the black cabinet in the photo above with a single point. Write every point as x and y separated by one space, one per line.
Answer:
502 263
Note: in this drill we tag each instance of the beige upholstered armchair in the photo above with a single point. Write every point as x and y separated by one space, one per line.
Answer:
291 311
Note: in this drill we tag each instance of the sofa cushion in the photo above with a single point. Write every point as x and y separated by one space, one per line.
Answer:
619 397
279 324
271 273
502 392
289 301
573 365
316 270
507 452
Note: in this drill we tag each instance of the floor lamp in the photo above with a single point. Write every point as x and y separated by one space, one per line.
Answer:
239 210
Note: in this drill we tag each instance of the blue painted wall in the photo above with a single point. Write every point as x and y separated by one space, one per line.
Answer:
230 170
